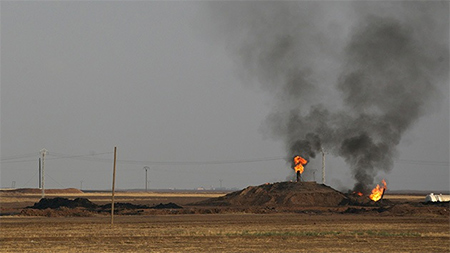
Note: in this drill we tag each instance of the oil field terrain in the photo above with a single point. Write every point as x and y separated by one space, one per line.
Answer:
285 216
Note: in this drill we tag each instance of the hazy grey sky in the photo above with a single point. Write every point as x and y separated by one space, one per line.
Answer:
161 81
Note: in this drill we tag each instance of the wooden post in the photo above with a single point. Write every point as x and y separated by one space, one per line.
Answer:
113 186
43 153
146 181
40 177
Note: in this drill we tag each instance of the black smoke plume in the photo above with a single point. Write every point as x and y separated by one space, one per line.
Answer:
348 77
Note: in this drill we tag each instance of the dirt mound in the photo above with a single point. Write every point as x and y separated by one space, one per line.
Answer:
283 194
49 191
54 203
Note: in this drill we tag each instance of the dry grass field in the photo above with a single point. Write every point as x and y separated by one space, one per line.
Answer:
293 231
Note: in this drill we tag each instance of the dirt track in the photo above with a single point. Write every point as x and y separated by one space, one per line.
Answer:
407 227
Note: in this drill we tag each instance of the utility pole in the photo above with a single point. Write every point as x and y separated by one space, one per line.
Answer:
323 166
43 153
40 177
146 181
81 185
113 186
220 180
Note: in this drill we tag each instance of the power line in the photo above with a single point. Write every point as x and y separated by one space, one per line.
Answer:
63 156
19 156
91 157
201 162
54 180
20 161
421 162
58 156
30 179
142 162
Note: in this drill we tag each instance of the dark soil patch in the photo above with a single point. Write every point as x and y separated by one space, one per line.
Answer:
55 207
120 205
442 204
54 203
353 210
167 206
59 212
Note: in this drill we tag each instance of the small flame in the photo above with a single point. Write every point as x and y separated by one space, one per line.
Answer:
358 193
298 164
378 191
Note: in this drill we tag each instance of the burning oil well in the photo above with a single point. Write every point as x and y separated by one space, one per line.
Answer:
298 166
350 78
374 198
297 194
292 195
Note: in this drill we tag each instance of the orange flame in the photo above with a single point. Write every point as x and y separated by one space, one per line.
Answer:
358 193
298 164
378 191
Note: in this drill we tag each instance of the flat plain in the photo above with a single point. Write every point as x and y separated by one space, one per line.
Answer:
332 229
